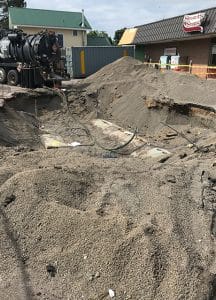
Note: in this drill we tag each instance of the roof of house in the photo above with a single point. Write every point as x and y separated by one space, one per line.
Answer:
128 36
46 18
172 29
98 41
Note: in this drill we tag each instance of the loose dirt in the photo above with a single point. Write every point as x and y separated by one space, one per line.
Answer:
78 222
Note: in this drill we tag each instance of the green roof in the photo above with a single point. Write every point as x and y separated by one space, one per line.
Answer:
46 18
98 41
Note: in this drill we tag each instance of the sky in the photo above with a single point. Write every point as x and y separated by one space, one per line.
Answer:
111 15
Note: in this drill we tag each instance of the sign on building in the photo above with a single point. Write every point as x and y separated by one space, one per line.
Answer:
194 22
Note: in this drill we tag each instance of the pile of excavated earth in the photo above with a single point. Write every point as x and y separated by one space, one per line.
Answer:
108 188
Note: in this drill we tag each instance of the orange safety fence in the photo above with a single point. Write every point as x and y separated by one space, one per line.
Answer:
200 70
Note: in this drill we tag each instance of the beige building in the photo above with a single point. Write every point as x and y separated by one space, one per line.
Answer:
71 27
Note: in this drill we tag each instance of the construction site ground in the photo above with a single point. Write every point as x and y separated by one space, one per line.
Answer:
108 188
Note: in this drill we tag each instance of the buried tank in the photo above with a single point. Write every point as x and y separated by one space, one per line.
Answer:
29 60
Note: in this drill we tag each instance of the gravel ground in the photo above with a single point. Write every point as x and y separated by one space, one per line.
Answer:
84 223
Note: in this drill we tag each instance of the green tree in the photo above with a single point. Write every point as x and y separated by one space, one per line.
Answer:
4 5
118 35
97 33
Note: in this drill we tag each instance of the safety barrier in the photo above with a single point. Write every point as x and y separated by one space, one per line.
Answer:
208 71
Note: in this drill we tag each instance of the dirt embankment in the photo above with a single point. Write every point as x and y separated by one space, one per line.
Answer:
127 91
84 223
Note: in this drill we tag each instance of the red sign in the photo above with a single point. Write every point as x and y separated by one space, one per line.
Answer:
193 22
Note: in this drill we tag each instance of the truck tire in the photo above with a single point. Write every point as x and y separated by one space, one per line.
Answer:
3 75
13 77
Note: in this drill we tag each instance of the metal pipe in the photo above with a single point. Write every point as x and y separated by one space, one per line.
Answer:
83 19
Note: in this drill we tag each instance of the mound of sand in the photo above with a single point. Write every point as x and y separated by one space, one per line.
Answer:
77 223
73 227
181 87
133 95
118 70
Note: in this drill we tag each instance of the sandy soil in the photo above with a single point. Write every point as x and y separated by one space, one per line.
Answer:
76 223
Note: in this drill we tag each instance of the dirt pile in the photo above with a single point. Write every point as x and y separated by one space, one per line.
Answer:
181 87
132 95
102 224
118 70
77 223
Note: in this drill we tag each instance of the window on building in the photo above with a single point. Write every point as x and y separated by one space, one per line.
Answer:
75 33
213 55
60 40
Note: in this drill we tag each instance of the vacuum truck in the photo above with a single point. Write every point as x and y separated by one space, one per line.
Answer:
29 60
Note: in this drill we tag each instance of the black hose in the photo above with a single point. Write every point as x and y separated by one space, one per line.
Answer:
91 136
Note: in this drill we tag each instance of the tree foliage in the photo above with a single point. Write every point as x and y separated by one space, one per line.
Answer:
118 35
4 5
96 33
